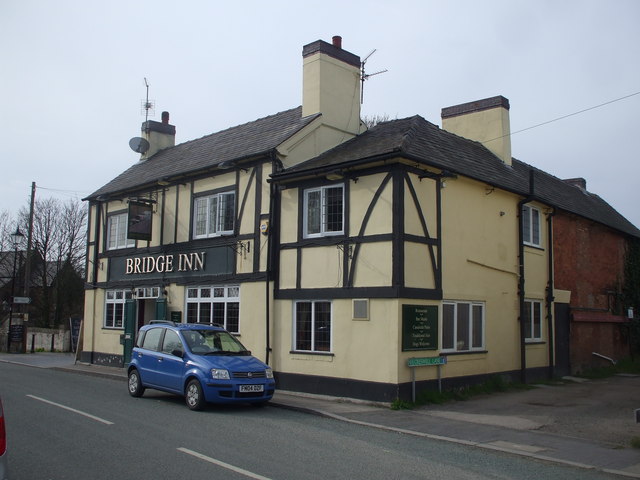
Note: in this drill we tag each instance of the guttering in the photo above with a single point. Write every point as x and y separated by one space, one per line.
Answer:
178 177
270 238
325 169
550 286
521 282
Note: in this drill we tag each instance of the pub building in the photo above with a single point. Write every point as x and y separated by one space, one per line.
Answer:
351 260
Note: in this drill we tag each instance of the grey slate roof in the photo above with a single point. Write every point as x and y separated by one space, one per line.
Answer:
419 140
243 141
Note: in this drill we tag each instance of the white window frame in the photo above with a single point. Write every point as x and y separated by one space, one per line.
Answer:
147 292
324 214
458 344
213 296
313 341
531 226
533 318
117 298
204 226
117 232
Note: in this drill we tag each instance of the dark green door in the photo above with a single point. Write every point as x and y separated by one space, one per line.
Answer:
161 309
129 329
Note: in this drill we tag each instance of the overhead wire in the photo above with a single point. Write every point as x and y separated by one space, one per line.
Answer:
564 116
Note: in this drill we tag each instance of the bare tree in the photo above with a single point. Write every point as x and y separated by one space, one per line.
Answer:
373 120
58 238
7 226
74 231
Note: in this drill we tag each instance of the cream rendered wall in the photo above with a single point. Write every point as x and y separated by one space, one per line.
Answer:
223 180
536 273
247 222
479 237
93 310
289 216
99 339
184 212
89 326
366 350
253 317
246 187
288 271
480 262
426 192
374 265
419 270
362 194
264 211
321 267
315 139
169 208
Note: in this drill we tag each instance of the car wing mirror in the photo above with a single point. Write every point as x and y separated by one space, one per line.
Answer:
177 353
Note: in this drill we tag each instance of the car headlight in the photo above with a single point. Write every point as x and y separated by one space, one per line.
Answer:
268 372
220 374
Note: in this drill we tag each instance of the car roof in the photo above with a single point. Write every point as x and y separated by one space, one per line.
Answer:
184 326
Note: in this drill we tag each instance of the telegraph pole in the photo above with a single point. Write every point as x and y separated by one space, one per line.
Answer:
27 267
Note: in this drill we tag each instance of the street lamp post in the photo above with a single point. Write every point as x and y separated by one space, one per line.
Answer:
16 237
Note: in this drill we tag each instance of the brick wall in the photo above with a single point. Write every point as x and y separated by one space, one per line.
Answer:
589 262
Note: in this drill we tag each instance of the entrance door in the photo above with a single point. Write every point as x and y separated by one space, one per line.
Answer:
129 329
563 337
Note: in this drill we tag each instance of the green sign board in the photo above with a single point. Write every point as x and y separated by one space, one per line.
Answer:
426 361
419 327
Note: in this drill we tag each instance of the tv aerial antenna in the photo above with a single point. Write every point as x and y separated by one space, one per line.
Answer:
139 144
365 76
148 106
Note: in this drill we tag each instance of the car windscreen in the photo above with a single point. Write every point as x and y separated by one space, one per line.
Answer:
213 342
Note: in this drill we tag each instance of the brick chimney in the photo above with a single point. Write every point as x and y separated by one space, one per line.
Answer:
485 121
160 135
331 85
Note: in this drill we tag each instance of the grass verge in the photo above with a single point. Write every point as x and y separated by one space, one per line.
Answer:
498 384
492 385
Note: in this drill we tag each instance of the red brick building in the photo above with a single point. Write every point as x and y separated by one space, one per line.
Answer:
589 261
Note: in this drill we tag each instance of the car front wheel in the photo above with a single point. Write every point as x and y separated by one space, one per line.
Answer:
194 396
135 385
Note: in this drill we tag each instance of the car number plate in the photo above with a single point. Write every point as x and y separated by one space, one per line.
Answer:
251 388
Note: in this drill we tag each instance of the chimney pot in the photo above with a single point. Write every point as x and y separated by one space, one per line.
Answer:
337 41
165 117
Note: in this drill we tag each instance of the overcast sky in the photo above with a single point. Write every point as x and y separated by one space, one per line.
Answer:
72 78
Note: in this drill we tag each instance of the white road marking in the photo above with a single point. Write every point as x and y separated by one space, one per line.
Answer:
79 412
242 471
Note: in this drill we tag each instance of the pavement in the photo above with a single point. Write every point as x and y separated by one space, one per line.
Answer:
579 424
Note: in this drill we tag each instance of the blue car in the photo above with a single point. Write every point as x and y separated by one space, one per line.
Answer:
203 363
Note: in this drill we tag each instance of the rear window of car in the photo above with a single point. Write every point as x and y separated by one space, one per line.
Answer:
151 340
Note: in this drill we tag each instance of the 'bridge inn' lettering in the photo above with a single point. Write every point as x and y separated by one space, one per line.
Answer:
182 262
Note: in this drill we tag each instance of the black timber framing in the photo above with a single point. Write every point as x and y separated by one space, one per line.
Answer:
398 175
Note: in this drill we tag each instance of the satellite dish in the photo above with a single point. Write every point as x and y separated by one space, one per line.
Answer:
139 144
